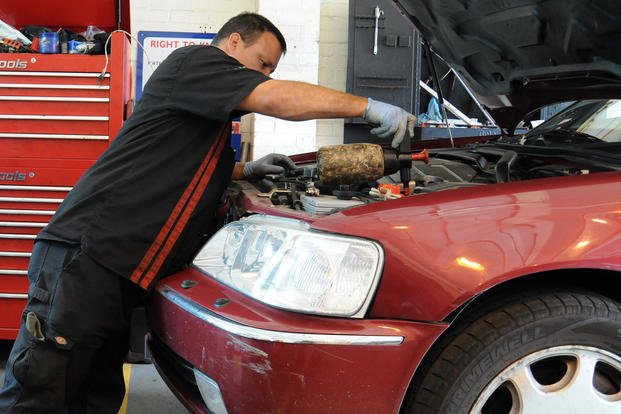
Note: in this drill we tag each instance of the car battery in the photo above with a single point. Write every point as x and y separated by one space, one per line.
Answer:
58 113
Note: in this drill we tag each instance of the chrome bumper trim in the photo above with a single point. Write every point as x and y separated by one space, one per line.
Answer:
275 336
210 391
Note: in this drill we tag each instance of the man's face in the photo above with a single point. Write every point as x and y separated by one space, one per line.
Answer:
261 55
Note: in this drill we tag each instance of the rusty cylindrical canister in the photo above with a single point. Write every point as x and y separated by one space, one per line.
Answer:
350 163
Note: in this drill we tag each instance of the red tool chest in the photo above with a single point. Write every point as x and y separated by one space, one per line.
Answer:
58 112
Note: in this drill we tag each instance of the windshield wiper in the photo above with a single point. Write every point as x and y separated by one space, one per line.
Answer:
560 136
583 155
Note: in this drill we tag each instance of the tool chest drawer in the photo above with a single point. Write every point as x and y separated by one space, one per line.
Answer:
58 113
74 101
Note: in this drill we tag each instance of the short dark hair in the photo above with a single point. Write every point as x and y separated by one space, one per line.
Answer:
249 26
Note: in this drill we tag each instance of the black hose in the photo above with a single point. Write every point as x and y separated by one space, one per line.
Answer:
296 203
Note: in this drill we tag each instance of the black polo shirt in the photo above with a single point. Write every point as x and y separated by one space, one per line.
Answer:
144 207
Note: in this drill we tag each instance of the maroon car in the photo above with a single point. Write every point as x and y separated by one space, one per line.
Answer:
491 287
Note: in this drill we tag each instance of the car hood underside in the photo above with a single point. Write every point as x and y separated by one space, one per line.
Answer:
519 55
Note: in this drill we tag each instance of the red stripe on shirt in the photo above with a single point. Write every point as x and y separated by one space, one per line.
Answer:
182 222
179 211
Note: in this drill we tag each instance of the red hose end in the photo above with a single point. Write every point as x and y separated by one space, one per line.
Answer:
421 156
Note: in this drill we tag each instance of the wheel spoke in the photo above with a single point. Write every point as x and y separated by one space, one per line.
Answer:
580 392
532 399
581 383
573 393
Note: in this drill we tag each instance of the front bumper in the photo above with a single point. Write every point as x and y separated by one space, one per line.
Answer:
266 360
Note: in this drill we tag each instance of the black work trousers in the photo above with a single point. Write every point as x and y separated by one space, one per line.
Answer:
69 353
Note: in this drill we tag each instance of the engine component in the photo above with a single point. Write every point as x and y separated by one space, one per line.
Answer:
311 190
326 205
350 163
363 163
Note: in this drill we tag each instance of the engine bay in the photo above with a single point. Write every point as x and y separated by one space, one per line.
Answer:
317 192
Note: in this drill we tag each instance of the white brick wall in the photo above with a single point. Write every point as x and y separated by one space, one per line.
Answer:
298 20
316 34
185 15
333 43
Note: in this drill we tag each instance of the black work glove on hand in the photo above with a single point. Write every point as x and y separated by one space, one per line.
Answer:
269 164
390 120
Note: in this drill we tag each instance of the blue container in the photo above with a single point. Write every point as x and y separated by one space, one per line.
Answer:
74 46
48 42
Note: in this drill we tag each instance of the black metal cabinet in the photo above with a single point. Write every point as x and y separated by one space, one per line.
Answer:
386 61
384 54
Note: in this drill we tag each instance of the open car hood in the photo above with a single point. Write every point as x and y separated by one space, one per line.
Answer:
519 55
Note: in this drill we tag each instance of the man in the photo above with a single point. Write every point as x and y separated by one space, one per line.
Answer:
145 207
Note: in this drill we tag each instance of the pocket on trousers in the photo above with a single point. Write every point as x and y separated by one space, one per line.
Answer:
55 262
40 364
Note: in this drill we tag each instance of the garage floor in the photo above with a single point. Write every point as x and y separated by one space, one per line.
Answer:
147 393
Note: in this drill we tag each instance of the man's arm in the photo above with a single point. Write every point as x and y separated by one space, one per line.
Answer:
301 101
238 171
298 101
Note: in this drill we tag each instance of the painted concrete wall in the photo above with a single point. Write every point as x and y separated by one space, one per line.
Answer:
316 33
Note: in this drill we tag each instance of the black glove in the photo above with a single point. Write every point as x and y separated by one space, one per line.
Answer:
269 164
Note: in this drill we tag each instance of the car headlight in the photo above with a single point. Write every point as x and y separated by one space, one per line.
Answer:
284 263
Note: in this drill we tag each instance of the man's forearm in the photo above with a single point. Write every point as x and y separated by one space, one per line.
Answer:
238 171
299 101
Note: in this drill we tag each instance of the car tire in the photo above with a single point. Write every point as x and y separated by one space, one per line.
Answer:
546 352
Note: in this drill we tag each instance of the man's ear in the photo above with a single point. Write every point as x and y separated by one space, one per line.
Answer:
234 41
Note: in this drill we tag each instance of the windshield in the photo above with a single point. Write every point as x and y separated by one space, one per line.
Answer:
599 119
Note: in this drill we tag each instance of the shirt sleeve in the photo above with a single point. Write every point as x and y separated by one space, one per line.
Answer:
210 84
